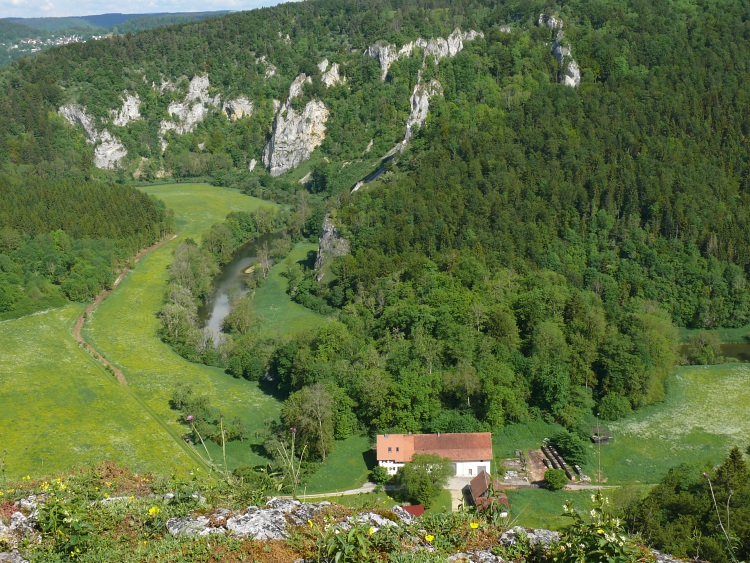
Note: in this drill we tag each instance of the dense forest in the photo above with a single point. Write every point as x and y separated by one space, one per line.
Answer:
65 239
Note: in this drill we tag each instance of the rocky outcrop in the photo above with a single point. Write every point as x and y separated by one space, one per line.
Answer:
269 69
12 557
108 150
420 105
237 109
478 556
330 245
295 134
188 113
535 537
330 76
570 74
268 523
438 48
128 112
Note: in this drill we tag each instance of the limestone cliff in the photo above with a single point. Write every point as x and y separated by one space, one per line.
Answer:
420 104
570 74
237 109
108 150
330 76
330 245
295 134
129 111
438 48
188 113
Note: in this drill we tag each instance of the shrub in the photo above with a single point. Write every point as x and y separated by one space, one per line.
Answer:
614 407
572 447
555 479
379 475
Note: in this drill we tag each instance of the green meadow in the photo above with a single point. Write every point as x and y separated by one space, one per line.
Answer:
125 327
281 315
705 413
61 408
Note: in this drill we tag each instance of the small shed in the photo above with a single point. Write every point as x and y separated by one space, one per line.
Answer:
485 491
600 435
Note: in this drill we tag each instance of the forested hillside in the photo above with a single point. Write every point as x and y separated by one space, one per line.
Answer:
64 239
569 183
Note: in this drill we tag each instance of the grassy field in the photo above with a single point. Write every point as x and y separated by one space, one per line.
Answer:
60 408
345 468
705 413
125 326
739 334
280 314
539 508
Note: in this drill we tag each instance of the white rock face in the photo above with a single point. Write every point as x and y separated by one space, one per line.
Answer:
330 245
295 135
570 74
551 22
237 109
332 77
129 111
269 68
251 165
189 113
438 48
108 150
298 84
420 105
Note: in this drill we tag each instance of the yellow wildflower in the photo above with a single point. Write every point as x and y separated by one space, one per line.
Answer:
372 530
474 525
310 523
429 537
154 510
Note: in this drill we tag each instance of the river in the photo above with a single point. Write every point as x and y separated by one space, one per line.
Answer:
231 281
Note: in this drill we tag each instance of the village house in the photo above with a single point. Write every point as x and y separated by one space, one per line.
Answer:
470 453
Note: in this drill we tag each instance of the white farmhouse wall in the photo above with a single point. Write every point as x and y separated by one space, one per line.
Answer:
391 466
462 468
471 468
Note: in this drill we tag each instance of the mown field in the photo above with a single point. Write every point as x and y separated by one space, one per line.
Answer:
61 408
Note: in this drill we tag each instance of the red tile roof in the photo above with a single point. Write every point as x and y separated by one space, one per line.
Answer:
415 510
474 446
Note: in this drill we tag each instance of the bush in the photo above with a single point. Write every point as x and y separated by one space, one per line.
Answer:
572 447
555 479
614 407
379 475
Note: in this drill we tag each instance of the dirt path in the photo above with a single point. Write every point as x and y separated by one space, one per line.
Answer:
101 297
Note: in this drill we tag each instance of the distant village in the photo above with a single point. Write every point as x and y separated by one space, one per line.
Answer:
34 45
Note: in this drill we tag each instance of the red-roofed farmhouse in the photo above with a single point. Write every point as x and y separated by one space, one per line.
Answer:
471 453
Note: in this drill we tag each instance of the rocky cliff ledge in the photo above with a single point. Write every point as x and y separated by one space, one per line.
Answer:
570 74
188 113
295 134
330 245
282 521
108 150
